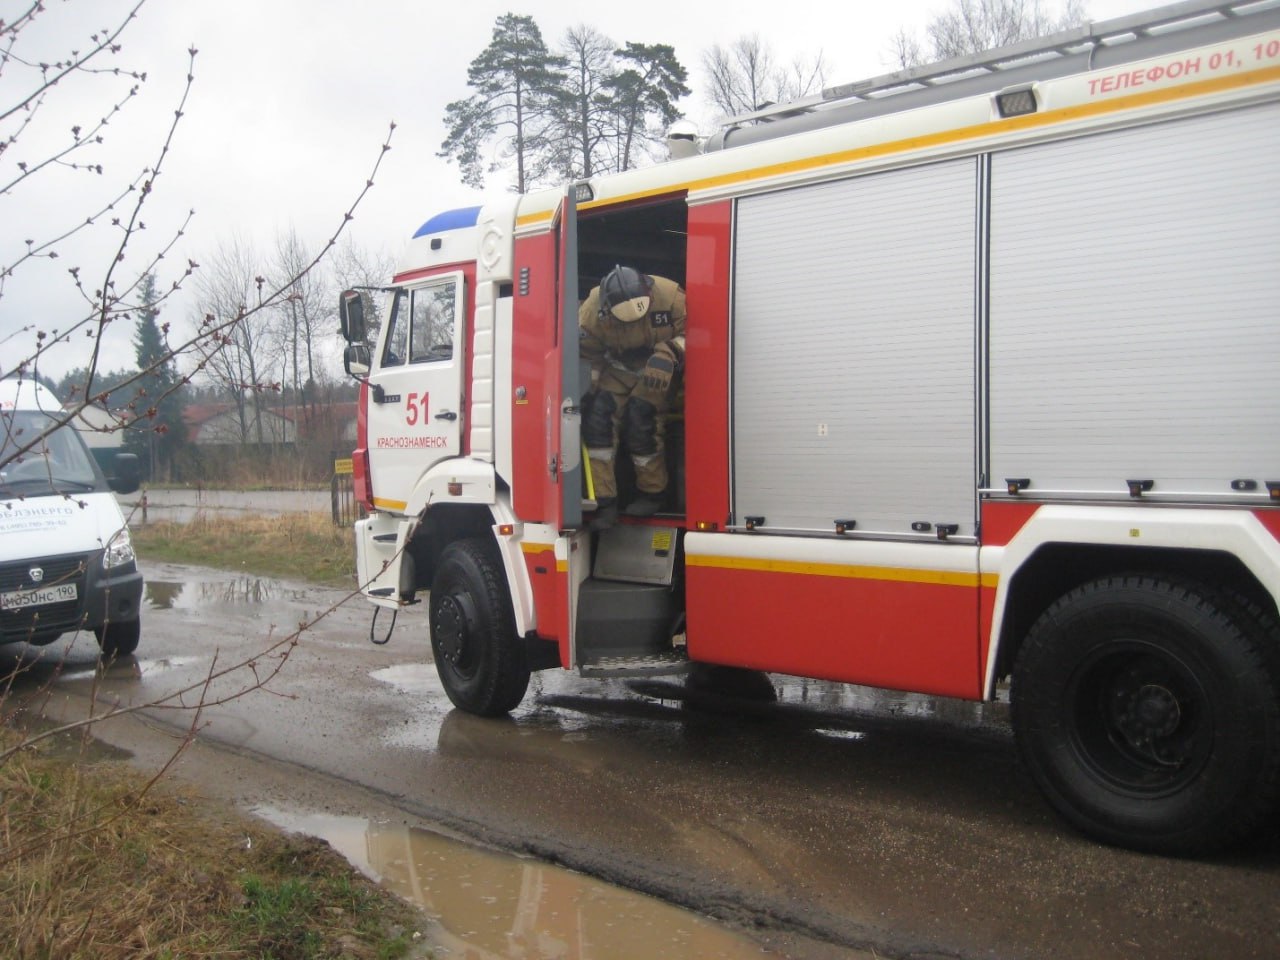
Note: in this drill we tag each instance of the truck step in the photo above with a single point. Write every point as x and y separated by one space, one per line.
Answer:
637 554
648 665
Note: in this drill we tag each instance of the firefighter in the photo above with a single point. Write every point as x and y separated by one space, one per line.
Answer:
632 332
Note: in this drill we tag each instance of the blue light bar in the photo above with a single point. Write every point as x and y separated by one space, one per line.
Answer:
458 219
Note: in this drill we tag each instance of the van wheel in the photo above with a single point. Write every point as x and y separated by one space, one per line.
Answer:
473 638
1148 717
119 638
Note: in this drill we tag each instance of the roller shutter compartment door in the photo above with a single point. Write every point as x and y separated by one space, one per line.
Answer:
853 352
1134 294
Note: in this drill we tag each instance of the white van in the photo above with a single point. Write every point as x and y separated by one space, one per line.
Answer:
66 561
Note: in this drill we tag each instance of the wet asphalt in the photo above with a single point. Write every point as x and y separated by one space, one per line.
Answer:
836 821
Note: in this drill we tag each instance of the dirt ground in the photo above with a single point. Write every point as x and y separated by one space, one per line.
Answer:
836 822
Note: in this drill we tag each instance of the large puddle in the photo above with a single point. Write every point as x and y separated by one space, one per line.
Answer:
237 591
485 905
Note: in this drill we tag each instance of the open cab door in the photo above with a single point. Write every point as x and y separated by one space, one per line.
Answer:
567 439
573 548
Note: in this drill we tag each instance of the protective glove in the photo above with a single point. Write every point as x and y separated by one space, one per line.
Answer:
659 369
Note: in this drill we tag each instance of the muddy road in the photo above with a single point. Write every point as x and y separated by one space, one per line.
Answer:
836 822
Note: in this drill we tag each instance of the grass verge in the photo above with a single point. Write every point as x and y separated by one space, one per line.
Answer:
93 864
96 862
295 546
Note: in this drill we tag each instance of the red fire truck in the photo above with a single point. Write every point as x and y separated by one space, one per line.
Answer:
981 384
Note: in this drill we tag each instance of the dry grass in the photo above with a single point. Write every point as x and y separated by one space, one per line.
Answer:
93 864
97 861
297 546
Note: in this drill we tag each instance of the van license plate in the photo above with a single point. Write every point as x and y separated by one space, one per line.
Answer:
21 599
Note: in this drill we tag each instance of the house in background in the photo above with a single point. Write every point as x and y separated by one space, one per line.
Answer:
219 423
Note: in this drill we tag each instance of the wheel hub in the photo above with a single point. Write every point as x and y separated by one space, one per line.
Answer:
1157 710
454 617
1147 714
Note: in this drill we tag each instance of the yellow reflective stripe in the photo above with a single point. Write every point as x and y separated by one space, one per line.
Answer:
952 578
562 566
1030 121
397 505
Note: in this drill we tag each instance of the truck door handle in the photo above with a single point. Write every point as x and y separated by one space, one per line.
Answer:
446 415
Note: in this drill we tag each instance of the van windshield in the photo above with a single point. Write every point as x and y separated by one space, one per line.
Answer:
59 460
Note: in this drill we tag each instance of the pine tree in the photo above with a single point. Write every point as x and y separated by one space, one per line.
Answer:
156 408
642 97
515 79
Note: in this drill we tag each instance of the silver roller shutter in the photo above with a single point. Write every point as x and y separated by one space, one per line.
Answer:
1135 286
853 357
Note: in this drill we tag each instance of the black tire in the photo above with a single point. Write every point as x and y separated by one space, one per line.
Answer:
1149 716
119 638
480 661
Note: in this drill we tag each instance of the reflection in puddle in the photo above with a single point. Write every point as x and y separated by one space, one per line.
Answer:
830 708
240 591
838 734
412 678
161 594
486 906
844 698
130 667
152 667
892 703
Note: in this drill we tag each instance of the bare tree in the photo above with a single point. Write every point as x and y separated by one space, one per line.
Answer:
802 77
229 296
972 26
32 116
104 269
364 270
738 74
306 318
109 289
745 76
106 273
905 49
577 132
614 105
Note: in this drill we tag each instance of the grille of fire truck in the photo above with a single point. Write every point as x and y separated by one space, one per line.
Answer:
1059 54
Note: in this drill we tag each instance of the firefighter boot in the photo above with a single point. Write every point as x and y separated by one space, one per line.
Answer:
606 513
646 504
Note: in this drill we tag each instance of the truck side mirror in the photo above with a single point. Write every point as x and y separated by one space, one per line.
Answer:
127 474
351 314
356 360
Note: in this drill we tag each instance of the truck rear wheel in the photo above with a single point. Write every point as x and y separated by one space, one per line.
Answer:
481 664
1148 716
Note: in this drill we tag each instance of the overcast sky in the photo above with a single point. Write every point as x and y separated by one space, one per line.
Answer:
291 101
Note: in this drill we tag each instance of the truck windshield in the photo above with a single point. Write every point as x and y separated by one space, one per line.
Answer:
58 460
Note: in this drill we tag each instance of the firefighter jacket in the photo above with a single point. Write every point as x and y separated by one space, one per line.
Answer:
606 341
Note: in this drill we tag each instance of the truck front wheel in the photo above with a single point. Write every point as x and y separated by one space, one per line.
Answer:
1148 716
481 664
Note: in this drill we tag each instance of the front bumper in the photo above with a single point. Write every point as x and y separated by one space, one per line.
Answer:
102 596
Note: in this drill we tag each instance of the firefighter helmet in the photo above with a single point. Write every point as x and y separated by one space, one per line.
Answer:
626 293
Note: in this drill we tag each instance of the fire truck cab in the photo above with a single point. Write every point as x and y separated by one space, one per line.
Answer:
979 385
